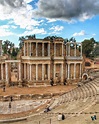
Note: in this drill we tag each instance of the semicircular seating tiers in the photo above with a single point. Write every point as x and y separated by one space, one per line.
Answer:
72 103
85 91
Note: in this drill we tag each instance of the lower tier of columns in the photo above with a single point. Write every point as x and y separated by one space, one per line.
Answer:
59 72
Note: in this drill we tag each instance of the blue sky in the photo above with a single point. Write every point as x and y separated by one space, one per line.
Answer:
64 18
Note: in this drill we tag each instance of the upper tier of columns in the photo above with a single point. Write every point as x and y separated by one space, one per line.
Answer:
28 46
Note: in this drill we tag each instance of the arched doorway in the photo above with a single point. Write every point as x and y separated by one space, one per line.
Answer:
85 76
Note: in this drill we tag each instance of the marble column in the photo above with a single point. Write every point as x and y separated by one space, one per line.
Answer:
36 72
48 49
2 72
43 72
30 49
24 70
68 71
80 70
7 77
74 70
62 72
27 49
42 49
24 49
54 49
30 72
19 71
54 71
48 71
36 49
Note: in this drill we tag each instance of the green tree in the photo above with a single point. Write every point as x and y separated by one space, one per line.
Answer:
30 37
21 39
9 49
88 46
51 38
95 52
14 53
6 46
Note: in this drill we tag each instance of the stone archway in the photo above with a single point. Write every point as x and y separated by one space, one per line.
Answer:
84 76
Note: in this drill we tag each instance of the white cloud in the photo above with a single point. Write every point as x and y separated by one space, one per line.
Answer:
4 31
57 28
51 20
13 26
34 31
28 1
19 11
81 33
85 16
94 34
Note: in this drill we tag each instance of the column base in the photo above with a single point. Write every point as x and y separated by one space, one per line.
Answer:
20 84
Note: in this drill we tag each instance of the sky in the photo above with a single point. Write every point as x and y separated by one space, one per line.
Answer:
63 18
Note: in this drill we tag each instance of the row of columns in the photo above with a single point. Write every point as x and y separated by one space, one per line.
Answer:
29 49
75 45
28 69
68 72
43 71
28 45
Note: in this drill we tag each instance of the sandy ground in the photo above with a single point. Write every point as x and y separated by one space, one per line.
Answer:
35 90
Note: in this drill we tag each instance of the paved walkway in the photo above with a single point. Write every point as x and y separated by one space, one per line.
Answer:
20 106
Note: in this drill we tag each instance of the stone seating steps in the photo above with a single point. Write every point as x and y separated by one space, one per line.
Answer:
96 83
84 94
87 90
70 110
92 88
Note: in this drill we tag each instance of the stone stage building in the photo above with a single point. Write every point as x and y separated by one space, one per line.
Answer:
41 60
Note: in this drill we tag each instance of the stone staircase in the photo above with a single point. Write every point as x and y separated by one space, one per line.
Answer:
85 91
